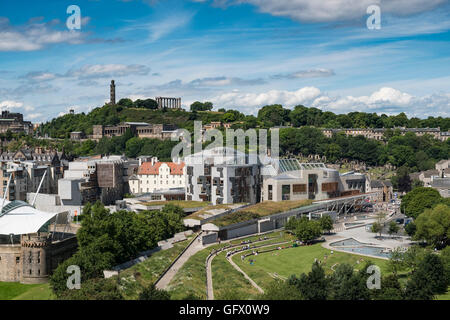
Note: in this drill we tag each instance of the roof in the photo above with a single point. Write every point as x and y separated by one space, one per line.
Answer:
441 183
380 183
147 168
18 217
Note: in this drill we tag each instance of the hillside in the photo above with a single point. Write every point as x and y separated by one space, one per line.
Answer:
113 114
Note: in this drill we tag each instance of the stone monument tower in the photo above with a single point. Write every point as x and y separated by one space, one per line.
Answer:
113 93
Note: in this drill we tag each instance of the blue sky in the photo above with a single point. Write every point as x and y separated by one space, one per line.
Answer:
240 54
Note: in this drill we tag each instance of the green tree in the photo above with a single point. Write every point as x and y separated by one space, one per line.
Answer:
326 223
393 228
433 225
419 199
94 289
314 285
152 293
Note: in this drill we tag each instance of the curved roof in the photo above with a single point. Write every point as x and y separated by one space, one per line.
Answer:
18 217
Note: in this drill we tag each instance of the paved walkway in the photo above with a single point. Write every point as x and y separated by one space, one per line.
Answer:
193 248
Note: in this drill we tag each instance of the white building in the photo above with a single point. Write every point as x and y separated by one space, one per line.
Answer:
155 176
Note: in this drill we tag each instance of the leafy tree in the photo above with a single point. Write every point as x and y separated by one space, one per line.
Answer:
402 181
376 228
433 225
152 293
281 290
314 285
396 262
410 229
307 230
273 115
419 199
326 223
393 228
428 278
125 102
390 289
94 289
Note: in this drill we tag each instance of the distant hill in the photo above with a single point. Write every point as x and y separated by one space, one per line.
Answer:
61 127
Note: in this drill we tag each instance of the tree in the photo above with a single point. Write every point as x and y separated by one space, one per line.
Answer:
125 102
396 262
428 278
326 223
314 285
390 289
419 199
376 228
281 290
402 180
410 229
94 289
307 230
152 293
393 228
433 225
273 115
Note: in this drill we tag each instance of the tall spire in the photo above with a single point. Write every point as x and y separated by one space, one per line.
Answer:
113 93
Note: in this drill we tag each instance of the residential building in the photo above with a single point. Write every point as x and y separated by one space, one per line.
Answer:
156 176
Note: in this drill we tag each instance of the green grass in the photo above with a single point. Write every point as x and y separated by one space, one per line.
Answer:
181 203
228 283
445 296
147 272
18 291
40 292
296 261
258 210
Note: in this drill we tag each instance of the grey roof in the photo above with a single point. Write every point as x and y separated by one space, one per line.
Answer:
380 183
441 183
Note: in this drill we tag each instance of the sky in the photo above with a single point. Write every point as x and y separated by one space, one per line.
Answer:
238 54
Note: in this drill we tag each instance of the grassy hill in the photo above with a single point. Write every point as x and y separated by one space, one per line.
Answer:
113 114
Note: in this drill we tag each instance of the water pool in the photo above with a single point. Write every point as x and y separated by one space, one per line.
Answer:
354 246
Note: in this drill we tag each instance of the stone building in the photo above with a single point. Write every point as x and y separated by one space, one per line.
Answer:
140 129
29 252
14 122
169 103
378 133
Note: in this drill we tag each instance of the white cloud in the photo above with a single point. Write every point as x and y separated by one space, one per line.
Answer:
108 70
34 36
312 73
336 10
385 100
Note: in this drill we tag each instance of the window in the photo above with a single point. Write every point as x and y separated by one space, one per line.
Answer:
270 196
299 188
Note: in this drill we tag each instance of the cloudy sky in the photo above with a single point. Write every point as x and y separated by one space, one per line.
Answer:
240 54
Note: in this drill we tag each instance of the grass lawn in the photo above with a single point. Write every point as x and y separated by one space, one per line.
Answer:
230 284
445 296
18 291
181 203
191 278
271 207
296 261
204 211
39 292
147 272
259 210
